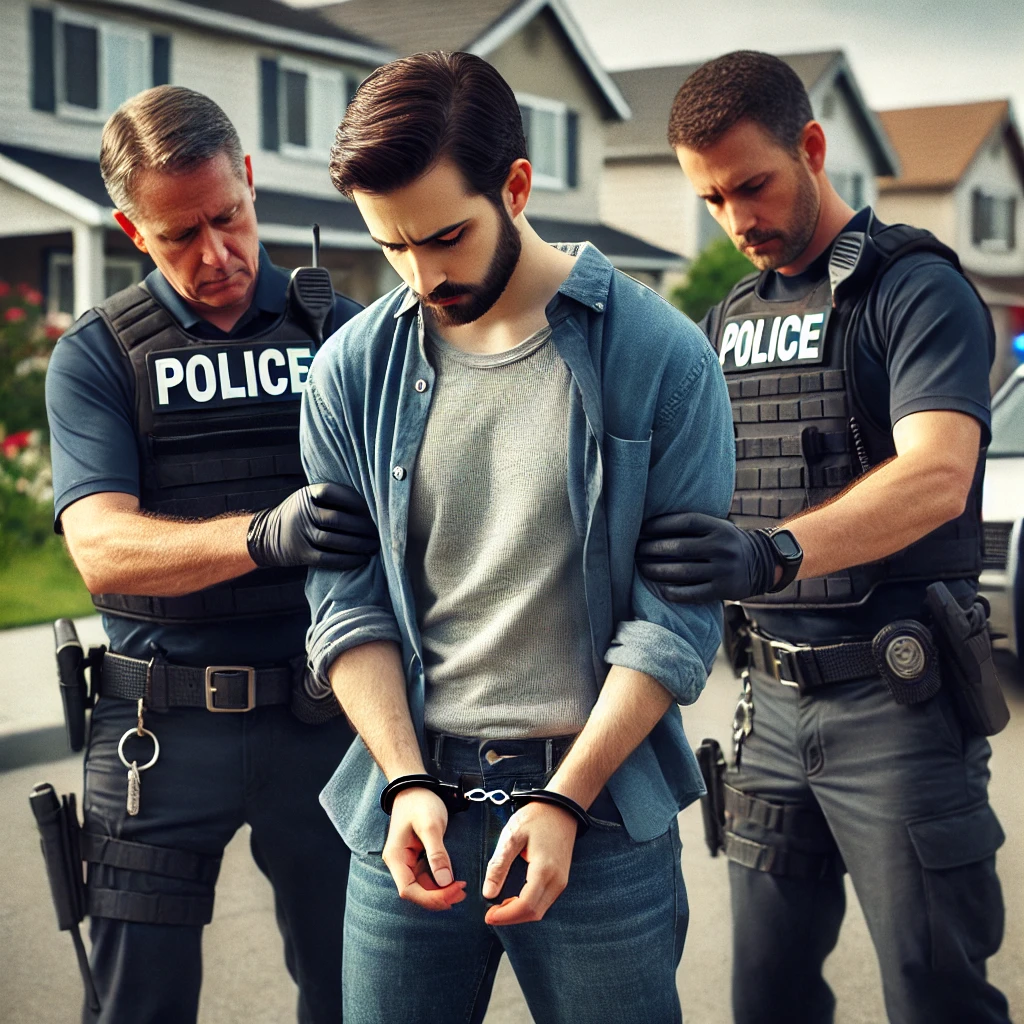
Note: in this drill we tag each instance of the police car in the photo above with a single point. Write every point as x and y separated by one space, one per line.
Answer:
1002 577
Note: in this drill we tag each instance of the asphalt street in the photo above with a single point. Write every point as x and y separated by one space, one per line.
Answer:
245 979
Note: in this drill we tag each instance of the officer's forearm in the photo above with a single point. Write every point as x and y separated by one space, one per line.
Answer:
119 550
900 502
370 686
628 707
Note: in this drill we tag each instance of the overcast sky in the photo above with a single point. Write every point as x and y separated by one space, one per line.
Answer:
904 52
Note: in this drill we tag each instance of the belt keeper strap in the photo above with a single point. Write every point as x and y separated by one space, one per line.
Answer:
149 908
153 860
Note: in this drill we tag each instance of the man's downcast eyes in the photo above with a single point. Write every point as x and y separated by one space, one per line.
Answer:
446 242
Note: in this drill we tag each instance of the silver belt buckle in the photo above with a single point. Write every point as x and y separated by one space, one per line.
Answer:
250 702
781 645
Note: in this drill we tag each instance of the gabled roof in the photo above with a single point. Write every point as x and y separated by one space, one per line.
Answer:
936 145
76 187
474 26
265 21
651 91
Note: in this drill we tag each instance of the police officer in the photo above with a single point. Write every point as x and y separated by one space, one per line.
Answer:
857 361
173 413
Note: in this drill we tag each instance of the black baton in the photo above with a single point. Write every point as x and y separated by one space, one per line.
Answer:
58 837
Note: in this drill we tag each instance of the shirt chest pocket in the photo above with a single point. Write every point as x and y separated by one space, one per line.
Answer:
626 465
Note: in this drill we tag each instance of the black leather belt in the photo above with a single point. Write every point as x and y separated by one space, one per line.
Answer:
223 688
807 668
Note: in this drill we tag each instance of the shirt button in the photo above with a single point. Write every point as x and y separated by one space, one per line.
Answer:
398 473
420 385
599 306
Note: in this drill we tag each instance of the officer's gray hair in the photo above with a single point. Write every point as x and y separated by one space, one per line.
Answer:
167 128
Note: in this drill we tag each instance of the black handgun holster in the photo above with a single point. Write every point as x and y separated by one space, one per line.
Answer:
711 761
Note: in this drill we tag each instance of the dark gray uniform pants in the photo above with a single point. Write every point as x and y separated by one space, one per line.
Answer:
215 773
897 794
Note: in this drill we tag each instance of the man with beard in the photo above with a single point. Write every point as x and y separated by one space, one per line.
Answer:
857 362
510 416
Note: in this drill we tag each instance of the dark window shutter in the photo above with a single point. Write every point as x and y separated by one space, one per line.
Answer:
1011 231
977 202
270 137
572 148
525 113
81 66
44 93
161 60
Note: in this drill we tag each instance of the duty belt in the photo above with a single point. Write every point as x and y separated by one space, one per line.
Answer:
807 668
222 688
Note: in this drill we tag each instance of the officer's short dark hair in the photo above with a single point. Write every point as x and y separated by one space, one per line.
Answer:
743 85
413 112
167 128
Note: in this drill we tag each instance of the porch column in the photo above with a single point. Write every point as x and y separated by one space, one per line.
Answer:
88 267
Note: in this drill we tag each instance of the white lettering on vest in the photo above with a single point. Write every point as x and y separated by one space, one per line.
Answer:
271 386
297 370
209 389
810 331
169 374
744 343
728 341
250 373
774 340
227 389
788 346
757 356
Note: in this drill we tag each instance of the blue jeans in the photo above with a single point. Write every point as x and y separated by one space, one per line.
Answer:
607 950
216 773
896 794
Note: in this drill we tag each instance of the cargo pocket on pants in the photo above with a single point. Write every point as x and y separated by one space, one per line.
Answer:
965 900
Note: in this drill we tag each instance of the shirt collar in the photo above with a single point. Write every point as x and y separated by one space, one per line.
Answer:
587 283
269 295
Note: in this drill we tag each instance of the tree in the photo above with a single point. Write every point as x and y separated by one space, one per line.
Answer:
711 276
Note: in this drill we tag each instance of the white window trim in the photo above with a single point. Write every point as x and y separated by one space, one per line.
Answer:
555 182
64 16
58 260
308 68
996 245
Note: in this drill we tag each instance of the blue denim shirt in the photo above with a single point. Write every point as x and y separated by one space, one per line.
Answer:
650 432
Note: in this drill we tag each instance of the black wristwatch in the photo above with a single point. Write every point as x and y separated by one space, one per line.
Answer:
788 555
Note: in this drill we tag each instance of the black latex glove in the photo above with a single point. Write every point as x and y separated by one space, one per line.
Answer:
323 525
696 558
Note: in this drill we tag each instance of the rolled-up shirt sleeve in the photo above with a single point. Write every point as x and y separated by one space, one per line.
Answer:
347 608
693 466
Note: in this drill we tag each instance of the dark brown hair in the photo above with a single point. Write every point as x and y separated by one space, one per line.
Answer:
412 112
743 85
166 128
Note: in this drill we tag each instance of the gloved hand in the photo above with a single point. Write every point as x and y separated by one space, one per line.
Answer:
696 558
324 525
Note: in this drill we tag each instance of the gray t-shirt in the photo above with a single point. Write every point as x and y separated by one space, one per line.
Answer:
494 557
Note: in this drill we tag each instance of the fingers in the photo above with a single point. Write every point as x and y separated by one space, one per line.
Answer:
544 884
416 881
676 524
346 543
338 496
510 844
344 522
686 573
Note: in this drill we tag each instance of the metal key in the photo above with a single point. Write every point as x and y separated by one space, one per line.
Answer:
134 788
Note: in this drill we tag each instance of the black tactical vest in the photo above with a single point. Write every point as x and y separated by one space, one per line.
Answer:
803 435
217 426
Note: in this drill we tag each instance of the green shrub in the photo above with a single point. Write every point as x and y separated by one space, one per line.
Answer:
711 276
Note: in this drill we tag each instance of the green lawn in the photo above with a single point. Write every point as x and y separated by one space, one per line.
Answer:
40 584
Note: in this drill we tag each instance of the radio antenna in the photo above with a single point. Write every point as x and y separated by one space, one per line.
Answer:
316 245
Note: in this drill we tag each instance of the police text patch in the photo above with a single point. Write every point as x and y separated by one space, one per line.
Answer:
757 342
213 376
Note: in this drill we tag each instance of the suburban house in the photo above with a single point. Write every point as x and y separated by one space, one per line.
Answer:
963 179
284 76
644 192
568 102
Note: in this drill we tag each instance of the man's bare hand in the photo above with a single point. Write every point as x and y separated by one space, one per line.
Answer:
415 853
544 836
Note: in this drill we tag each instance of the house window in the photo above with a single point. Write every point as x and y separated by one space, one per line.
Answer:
850 186
551 131
118 272
828 105
302 107
85 67
993 221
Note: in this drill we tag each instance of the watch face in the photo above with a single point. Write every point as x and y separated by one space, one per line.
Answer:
786 544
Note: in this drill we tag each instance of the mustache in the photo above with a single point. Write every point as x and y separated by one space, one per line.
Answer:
760 237
446 290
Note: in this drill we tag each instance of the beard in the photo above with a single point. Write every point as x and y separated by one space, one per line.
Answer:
477 299
796 235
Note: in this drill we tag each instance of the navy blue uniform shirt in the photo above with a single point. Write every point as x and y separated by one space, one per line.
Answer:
923 345
90 401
